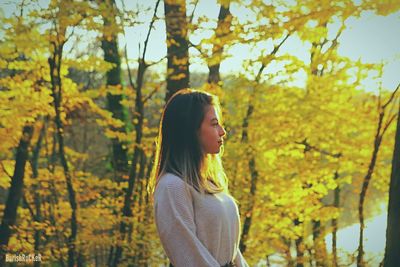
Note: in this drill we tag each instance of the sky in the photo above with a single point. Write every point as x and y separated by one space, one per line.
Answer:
370 38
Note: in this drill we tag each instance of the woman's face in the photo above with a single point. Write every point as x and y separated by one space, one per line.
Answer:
211 133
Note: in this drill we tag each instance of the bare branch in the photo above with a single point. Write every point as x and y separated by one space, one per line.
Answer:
338 34
198 48
150 95
156 62
388 124
150 28
276 47
391 97
129 69
26 203
273 52
308 147
194 9
4 170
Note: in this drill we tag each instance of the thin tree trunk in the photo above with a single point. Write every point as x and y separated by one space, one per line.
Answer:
392 255
223 28
336 203
363 193
52 218
252 167
55 76
15 192
249 211
177 46
36 188
139 118
268 261
319 243
127 210
109 45
252 162
299 247
52 201
288 255
142 209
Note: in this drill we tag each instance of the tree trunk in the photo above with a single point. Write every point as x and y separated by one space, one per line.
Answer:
139 118
251 164
15 192
56 86
319 244
299 247
138 150
249 211
392 255
336 203
363 193
177 46
36 188
109 45
224 23
251 151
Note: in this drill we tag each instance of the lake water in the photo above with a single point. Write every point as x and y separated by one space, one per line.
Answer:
347 243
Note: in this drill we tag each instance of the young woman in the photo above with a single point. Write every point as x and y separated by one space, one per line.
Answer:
196 217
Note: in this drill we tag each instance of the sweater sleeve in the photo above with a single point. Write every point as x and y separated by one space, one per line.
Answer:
174 218
239 260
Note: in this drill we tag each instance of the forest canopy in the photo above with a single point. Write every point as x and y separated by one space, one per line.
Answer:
311 145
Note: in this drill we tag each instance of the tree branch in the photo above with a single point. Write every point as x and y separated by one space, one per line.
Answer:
4 170
391 97
194 9
149 31
308 147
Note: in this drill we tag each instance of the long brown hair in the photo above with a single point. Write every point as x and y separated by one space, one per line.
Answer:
178 148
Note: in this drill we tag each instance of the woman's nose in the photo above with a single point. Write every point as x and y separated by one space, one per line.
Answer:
222 131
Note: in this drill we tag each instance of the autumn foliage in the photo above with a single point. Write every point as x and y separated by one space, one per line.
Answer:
302 161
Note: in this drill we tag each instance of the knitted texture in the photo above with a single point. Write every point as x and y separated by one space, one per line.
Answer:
196 229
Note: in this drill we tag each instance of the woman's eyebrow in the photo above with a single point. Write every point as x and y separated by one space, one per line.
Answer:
214 119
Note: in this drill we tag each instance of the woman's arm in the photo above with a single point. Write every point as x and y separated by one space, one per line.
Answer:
175 224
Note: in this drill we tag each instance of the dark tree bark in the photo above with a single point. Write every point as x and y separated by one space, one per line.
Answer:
56 86
127 209
249 213
363 193
253 172
224 23
109 45
319 243
299 247
380 132
177 46
392 250
133 172
15 192
36 188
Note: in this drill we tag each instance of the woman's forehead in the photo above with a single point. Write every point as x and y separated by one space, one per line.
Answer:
211 113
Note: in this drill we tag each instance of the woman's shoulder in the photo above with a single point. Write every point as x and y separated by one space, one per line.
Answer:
170 181
172 186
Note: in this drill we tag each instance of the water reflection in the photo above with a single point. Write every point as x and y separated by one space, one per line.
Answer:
374 241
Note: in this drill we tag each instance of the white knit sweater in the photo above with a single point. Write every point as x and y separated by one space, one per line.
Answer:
196 229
